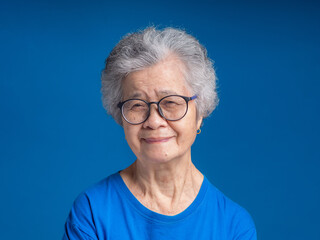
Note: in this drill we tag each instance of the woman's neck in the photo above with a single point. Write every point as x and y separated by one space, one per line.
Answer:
166 188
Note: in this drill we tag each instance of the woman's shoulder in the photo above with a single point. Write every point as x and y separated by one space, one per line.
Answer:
96 196
88 207
91 200
99 190
228 209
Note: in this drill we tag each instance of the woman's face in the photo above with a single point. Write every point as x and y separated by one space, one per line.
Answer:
158 140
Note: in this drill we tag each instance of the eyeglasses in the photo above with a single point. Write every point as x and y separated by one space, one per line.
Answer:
171 108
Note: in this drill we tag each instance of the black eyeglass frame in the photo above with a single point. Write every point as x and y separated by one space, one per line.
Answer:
187 99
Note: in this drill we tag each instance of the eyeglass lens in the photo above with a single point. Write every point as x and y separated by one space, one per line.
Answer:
172 108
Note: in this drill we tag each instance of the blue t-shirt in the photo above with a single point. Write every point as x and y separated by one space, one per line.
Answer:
108 210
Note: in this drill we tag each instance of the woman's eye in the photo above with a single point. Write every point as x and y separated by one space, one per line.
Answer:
138 107
170 103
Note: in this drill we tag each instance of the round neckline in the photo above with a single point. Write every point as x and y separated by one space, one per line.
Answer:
158 217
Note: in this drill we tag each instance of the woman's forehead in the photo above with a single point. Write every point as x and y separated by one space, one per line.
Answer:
159 80
158 94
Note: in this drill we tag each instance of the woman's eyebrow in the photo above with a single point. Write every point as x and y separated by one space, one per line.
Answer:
167 92
160 93
134 95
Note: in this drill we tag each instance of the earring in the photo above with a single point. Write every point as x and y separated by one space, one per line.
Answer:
199 131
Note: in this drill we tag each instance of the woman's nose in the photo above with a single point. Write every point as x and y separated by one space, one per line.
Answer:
155 119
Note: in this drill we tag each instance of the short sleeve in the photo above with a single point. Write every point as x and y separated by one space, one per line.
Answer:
245 228
80 223
251 234
73 232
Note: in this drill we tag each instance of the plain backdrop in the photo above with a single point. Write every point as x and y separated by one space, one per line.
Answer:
260 146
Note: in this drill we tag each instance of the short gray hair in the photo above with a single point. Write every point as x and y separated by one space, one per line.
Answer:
142 49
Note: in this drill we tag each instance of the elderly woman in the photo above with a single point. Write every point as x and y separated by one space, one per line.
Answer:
158 85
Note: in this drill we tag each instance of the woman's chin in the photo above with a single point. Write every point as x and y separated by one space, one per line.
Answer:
156 158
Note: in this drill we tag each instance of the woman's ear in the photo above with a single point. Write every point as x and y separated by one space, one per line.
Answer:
199 122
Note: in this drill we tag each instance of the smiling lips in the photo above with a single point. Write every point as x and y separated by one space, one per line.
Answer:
157 140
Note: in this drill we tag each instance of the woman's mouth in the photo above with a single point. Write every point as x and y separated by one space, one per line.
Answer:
156 140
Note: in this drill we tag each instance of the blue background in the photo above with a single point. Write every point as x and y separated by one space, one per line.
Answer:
260 146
